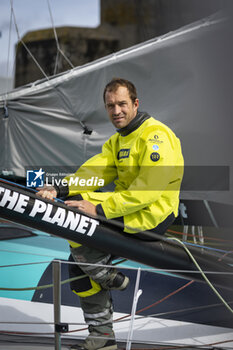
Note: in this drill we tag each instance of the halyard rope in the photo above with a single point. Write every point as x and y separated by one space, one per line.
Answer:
202 273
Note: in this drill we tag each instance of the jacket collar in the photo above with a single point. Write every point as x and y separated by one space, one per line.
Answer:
134 124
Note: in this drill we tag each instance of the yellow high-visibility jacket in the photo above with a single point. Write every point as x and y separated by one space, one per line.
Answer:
146 166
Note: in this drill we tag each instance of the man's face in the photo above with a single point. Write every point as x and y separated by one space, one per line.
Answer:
120 108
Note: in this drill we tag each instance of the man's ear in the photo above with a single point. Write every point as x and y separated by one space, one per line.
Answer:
136 103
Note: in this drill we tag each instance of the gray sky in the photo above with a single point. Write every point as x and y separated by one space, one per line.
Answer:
34 14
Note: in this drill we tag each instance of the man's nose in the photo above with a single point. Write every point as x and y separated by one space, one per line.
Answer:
116 110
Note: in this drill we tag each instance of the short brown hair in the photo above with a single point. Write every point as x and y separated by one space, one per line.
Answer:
115 83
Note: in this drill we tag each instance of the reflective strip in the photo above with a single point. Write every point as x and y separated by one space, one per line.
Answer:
95 289
100 314
100 274
99 323
93 267
74 245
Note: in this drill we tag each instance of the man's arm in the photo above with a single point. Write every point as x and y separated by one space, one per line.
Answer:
49 192
95 173
101 166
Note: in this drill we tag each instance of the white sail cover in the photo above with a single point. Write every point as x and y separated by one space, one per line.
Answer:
184 79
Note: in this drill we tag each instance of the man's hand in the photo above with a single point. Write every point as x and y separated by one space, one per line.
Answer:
84 206
47 192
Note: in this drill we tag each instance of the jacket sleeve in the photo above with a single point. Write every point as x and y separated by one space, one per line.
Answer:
157 159
95 173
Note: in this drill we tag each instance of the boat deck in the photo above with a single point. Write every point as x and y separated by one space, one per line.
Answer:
15 342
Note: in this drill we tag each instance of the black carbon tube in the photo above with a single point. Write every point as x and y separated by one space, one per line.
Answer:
23 207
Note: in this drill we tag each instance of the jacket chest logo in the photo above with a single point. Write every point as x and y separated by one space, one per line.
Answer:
123 153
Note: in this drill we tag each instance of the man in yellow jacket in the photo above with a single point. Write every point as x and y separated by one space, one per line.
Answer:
144 159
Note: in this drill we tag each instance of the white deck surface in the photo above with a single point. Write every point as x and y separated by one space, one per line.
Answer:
26 316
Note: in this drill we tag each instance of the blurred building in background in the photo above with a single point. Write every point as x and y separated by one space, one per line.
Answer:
6 84
123 23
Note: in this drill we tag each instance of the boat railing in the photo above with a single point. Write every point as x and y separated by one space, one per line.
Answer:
61 328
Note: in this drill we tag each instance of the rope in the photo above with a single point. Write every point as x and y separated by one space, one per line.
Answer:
145 308
22 264
57 42
51 284
203 274
206 237
158 301
24 45
8 55
187 309
208 248
198 346
226 254
44 286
